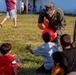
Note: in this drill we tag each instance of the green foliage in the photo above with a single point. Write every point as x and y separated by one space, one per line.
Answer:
27 33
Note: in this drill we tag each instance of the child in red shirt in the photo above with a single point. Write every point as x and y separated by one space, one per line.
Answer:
7 62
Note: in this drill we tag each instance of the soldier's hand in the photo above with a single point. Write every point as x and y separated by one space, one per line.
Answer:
43 26
55 34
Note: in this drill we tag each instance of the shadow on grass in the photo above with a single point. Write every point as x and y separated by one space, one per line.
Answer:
29 71
34 60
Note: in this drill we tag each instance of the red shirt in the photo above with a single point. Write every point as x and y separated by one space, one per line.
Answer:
10 5
6 63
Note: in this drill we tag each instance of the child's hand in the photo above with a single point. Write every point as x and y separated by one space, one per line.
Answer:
28 47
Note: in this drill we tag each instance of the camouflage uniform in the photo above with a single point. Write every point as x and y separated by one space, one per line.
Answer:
57 22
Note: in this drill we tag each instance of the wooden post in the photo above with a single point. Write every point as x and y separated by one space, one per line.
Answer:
20 6
26 6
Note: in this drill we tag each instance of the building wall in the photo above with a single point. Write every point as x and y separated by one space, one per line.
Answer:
68 6
2 6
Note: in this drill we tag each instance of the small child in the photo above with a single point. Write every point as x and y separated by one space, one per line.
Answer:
7 62
45 51
58 66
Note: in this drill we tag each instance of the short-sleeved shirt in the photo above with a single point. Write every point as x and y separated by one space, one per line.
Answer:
46 51
10 5
6 64
70 60
22 4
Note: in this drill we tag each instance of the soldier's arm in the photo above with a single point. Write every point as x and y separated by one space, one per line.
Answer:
41 19
61 17
74 36
41 16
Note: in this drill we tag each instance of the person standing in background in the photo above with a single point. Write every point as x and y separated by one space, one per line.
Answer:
29 8
22 7
11 12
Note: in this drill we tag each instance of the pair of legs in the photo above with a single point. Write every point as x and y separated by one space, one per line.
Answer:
42 69
12 14
14 20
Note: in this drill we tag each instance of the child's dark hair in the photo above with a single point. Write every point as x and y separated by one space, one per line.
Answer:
65 40
58 58
46 37
5 48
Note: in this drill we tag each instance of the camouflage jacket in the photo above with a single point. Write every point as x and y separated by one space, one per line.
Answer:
56 22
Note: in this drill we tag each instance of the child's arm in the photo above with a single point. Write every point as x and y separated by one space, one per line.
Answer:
14 70
28 47
14 1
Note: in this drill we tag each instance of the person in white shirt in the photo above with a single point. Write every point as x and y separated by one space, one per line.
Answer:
22 7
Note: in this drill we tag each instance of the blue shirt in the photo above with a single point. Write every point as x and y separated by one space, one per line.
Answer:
46 51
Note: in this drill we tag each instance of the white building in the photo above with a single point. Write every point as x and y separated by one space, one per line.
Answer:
68 6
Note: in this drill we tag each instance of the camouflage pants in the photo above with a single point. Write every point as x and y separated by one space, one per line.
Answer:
59 33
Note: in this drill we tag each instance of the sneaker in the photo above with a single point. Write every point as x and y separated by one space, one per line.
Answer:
0 25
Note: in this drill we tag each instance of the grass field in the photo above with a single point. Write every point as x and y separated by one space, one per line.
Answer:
27 33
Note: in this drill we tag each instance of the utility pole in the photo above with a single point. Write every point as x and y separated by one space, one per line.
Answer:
26 6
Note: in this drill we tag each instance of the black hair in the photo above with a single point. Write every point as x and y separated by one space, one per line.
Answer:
46 37
5 48
58 58
65 40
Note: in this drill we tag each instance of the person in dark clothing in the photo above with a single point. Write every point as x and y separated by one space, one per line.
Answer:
69 54
55 17
58 65
24 8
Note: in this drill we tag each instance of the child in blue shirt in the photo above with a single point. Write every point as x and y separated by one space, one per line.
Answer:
46 50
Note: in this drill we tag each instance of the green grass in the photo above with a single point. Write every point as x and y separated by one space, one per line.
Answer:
27 33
